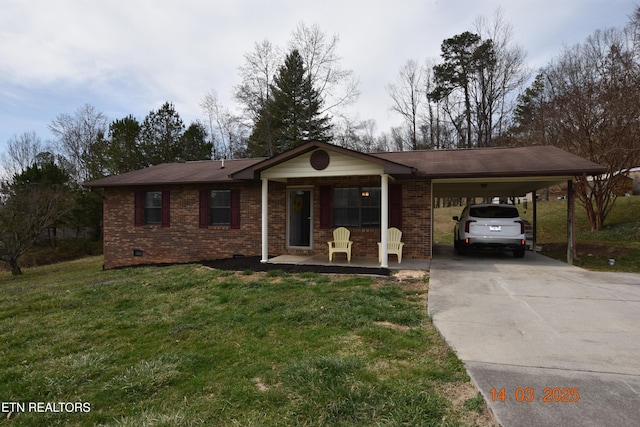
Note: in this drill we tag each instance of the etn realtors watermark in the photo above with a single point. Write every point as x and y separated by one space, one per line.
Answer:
43 407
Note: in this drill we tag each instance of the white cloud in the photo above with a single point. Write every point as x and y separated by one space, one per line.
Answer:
129 56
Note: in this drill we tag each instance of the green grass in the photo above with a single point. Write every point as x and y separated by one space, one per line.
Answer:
186 345
44 252
618 239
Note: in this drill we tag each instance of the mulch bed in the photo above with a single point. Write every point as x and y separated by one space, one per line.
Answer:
254 264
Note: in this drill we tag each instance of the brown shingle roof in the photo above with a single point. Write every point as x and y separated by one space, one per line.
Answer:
494 162
202 172
488 162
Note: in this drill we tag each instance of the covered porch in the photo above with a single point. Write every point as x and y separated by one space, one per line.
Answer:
298 213
356 262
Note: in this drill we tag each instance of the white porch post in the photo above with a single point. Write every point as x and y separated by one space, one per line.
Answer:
265 220
384 219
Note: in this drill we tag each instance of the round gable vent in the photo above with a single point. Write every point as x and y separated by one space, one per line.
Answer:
319 160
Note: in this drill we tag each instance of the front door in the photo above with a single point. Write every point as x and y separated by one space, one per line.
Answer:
300 223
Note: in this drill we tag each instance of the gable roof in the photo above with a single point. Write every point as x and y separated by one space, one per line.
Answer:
389 166
532 161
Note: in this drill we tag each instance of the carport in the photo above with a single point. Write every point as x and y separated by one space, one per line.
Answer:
516 173
510 187
503 172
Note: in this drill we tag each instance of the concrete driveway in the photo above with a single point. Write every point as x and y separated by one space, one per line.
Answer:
562 343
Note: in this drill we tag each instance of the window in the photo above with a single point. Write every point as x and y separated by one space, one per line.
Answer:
151 208
220 207
346 207
327 202
356 207
494 211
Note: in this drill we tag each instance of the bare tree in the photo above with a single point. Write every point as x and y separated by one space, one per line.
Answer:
257 77
77 136
590 105
442 119
24 214
503 76
356 135
634 27
336 86
407 95
22 151
228 133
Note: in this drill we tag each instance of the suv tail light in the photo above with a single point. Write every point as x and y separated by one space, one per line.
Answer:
521 226
467 223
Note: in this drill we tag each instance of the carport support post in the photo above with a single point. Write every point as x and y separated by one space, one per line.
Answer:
570 223
534 229
265 220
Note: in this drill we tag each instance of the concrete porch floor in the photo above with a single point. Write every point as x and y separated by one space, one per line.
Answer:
338 260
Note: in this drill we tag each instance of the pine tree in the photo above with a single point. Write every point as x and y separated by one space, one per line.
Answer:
160 135
194 145
122 152
292 116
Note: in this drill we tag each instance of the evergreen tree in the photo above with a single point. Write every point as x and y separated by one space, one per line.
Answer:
120 151
465 57
124 150
44 173
193 143
292 116
160 135
528 116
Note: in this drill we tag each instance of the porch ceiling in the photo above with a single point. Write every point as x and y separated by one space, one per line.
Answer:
493 187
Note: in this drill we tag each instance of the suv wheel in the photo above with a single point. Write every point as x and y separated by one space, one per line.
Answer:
518 253
461 249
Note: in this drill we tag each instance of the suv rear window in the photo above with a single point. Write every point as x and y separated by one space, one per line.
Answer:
493 212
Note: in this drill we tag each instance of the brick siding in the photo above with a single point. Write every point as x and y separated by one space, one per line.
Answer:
185 241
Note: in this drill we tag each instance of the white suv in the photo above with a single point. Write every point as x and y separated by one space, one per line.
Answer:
490 225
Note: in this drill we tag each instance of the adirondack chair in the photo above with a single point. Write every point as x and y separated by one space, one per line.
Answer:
340 243
394 244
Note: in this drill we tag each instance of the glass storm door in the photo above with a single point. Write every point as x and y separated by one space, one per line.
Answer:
300 221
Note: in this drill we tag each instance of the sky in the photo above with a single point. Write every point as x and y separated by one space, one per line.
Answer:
130 56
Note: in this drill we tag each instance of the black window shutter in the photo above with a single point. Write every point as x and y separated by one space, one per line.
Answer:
138 208
165 209
204 206
235 208
395 206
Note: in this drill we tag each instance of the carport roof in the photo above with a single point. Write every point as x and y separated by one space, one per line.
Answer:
495 162
491 172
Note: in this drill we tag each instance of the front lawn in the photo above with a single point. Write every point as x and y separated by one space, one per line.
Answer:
188 345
